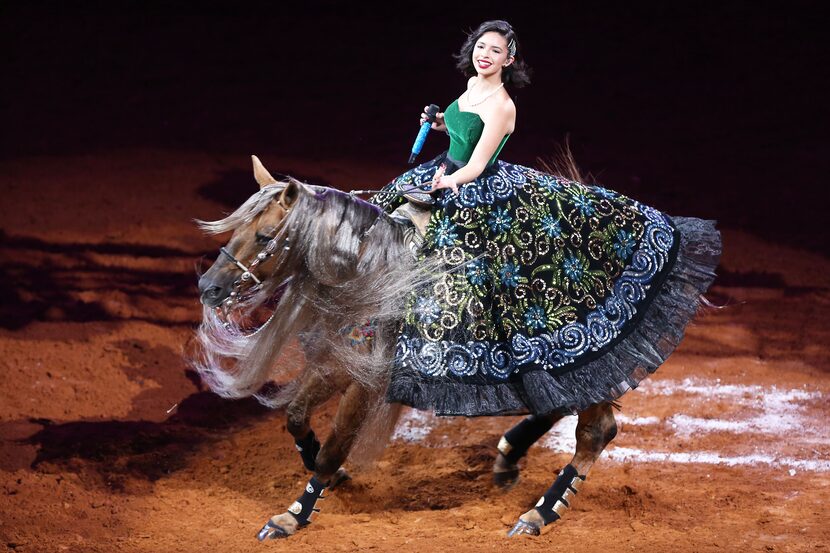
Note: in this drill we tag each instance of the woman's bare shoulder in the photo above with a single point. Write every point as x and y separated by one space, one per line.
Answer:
502 113
506 105
503 107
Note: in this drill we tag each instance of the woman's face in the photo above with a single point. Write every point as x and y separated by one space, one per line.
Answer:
490 54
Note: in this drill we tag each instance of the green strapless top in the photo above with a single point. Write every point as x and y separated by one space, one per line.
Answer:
464 128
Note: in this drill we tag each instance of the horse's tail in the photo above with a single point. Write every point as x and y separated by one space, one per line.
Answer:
375 433
563 164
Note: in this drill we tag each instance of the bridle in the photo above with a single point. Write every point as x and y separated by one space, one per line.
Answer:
270 249
246 271
267 252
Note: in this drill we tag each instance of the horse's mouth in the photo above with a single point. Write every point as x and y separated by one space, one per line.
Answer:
239 313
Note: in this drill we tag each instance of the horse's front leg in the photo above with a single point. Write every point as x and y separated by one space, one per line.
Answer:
350 416
314 390
594 431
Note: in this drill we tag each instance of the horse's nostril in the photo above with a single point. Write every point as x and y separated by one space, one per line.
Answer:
212 292
213 296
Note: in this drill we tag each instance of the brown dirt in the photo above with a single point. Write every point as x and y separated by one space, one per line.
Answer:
109 443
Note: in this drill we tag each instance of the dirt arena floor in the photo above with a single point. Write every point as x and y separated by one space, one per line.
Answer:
108 442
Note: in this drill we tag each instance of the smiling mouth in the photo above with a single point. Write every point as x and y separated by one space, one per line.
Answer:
484 64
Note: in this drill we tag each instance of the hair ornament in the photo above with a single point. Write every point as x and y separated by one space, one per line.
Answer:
511 47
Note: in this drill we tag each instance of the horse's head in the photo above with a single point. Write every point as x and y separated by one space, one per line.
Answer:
325 259
251 251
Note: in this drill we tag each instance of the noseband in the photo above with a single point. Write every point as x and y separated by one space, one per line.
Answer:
246 272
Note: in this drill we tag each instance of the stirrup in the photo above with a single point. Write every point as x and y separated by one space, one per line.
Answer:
417 194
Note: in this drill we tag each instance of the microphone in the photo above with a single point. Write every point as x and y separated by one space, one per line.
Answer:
431 111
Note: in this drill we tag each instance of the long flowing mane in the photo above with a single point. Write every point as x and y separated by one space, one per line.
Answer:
346 264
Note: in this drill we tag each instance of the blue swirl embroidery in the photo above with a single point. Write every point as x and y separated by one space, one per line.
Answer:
498 360
493 188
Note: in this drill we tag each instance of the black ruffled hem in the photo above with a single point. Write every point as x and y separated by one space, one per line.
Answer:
606 378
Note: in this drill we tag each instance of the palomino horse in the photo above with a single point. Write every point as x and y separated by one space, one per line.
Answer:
321 261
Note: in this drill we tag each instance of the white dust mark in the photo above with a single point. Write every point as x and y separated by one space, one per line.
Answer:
686 425
562 437
759 410
771 423
741 393
637 421
623 454
414 426
771 411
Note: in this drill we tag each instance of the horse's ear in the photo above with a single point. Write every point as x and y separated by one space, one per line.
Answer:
261 174
291 192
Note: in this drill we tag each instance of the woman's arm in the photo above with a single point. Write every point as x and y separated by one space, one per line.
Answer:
499 123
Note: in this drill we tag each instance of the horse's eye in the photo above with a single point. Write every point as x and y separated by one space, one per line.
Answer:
263 238
265 234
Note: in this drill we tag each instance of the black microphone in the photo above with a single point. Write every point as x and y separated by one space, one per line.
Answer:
431 112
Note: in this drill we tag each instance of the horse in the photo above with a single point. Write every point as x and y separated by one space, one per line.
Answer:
334 270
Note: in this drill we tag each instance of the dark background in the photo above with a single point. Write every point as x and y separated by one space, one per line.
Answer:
714 109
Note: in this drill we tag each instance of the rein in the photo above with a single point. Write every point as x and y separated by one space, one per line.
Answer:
401 190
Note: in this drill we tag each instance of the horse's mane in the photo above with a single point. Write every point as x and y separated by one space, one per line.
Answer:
246 212
347 264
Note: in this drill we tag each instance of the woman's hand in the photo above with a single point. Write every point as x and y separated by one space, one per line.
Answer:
440 180
438 124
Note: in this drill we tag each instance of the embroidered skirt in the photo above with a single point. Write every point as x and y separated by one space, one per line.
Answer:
557 294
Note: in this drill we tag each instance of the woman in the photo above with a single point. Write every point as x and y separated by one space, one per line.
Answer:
558 296
490 53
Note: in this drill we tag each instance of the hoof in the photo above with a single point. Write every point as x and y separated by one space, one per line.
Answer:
523 527
275 530
506 479
339 478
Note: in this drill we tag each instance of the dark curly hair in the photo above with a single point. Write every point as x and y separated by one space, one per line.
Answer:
517 74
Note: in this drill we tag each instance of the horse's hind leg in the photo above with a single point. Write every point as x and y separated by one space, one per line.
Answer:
351 413
594 431
514 445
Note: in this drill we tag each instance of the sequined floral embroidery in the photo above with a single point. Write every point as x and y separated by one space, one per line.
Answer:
551 271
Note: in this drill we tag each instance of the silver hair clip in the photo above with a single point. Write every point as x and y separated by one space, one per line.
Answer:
511 47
